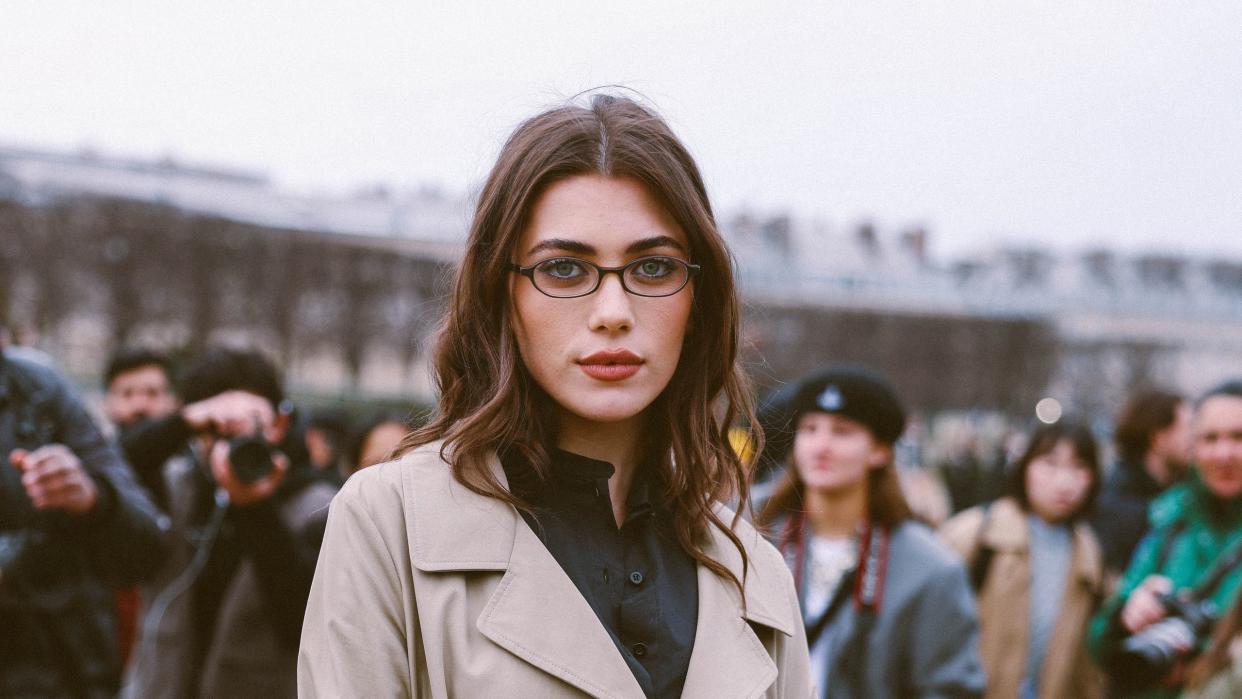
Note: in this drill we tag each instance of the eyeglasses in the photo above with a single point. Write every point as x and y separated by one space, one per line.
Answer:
570 277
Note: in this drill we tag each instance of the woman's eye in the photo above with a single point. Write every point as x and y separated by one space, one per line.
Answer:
562 269
654 268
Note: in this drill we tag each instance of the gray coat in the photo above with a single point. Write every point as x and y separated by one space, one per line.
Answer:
924 641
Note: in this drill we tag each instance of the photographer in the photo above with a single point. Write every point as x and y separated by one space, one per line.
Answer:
1187 569
72 524
224 615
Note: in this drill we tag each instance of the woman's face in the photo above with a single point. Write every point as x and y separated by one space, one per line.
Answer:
380 442
834 453
1057 483
1218 445
606 356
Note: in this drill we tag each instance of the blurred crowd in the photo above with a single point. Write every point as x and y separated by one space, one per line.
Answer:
170 551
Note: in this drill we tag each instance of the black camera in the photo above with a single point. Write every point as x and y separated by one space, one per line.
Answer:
1148 656
251 458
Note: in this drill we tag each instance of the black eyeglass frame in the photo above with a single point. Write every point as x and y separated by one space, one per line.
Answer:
529 272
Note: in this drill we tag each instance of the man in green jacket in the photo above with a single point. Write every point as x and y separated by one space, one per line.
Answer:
1194 550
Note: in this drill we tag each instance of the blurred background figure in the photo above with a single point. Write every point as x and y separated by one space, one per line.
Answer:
73 524
1186 569
1036 568
923 488
223 615
969 455
21 342
375 440
138 386
1152 435
327 432
887 607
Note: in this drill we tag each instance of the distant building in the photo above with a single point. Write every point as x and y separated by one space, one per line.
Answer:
97 251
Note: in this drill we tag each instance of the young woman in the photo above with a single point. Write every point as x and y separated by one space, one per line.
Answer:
375 441
887 607
1037 568
556 530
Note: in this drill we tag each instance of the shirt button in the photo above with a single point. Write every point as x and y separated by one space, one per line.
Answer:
639 649
636 578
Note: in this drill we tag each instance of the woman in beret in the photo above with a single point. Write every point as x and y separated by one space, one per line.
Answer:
887 607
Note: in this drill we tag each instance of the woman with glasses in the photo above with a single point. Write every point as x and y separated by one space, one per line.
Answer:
556 530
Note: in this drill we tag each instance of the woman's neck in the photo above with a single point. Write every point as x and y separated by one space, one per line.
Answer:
836 513
614 442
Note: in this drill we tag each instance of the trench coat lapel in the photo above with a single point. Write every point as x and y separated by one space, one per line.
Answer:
536 613
728 659
539 615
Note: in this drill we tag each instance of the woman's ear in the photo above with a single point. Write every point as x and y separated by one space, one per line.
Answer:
881 455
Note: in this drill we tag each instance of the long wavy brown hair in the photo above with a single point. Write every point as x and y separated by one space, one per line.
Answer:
490 404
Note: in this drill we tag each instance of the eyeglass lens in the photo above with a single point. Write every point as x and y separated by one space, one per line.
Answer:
647 276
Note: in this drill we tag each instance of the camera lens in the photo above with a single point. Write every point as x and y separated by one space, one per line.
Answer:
251 458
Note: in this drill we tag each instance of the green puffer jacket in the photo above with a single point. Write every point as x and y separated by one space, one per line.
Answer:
1204 528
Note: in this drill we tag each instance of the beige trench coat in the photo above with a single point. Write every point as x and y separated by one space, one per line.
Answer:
427 589
1004 601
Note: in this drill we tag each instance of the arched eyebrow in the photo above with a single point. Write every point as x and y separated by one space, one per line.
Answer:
581 248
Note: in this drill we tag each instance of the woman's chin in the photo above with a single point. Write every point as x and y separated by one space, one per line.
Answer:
608 412
831 485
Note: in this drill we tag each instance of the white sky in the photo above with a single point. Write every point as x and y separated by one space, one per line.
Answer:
1073 123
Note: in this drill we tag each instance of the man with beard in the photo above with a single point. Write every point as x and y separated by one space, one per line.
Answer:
1153 448
138 386
137 390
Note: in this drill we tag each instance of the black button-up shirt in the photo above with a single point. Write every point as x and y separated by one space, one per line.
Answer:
639 581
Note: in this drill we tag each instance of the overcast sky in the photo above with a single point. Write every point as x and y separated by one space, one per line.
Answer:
1074 123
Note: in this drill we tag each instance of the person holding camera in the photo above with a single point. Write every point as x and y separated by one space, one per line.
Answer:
223 616
73 523
1187 569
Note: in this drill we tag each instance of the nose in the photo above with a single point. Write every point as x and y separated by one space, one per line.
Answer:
612 307
1217 452
817 443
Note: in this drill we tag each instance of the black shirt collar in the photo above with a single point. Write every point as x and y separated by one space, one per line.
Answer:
571 475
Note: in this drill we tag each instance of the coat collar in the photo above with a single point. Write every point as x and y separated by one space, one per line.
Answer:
1006 529
452 528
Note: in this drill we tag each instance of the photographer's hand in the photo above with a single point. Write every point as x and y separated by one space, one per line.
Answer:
54 479
240 493
1144 607
228 414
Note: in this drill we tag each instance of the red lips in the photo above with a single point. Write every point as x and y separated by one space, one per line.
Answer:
611 365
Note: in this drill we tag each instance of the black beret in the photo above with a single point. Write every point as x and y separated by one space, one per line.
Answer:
853 392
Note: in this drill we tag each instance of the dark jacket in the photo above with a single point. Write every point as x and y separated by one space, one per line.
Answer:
229 624
57 624
1120 518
